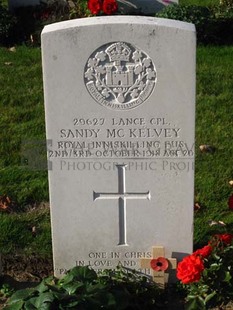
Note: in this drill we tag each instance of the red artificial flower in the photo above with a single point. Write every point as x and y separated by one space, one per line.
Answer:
225 238
159 264
204 252
95 6
110 7
230 202
190 268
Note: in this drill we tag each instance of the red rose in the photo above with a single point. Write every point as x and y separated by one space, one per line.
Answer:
204 252
110 7
225 238
95 6
230 202
189 269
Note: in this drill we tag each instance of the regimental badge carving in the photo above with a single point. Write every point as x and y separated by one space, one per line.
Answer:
119 76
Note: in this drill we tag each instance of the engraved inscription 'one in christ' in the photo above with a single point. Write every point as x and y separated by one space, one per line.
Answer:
122 196
120 76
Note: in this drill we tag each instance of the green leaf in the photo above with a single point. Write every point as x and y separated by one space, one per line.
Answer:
66 279
97 287
201 302
45 306
111 300
214 265
50 281
195 303
83 273
191 297
227 276
18 305
71 288
42 287
46 297
20 295
209 297
203 289
43 301
71 304
29 305
60 295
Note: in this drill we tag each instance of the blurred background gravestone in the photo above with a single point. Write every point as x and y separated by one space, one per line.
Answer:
143 6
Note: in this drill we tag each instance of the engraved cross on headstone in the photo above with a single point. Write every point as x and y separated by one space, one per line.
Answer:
122 195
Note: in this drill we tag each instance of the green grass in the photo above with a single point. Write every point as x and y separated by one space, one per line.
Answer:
214 126
17 234
22 118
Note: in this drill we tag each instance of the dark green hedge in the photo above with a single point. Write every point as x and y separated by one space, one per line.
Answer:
213 25
7 26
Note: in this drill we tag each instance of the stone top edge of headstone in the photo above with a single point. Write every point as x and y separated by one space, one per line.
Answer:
108 20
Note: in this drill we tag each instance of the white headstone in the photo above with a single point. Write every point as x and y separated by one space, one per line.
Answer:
143 6
119 99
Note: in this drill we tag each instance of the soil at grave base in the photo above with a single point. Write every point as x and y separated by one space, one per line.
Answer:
21 271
